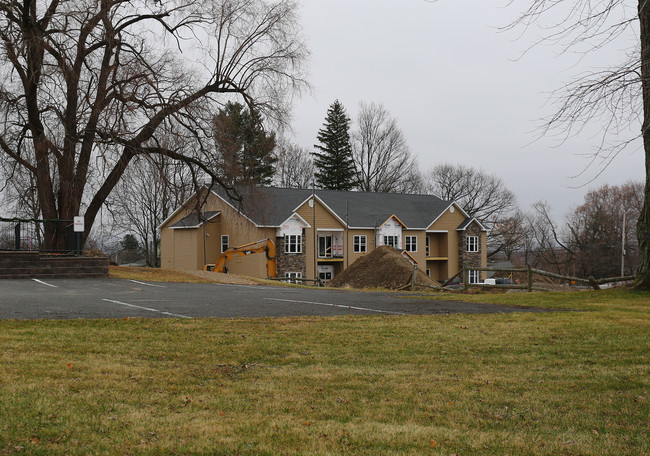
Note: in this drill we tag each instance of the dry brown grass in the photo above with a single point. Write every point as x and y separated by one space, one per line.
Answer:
172 275
567 383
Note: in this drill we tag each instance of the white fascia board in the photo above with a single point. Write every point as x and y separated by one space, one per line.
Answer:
195 226
336 216
331 229
184 227
437 231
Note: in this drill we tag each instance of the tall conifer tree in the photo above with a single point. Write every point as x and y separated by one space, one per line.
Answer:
245 150
333 160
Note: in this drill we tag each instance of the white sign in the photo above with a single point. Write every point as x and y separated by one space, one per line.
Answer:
78 224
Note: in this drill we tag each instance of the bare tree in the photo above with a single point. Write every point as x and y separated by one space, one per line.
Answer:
295 167
150 190
481 195
597 229
508 235
548 249
618 98
83 83
382 158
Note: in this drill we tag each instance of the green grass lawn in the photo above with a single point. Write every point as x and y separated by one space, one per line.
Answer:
575 382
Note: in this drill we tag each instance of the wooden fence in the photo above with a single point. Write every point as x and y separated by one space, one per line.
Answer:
530 272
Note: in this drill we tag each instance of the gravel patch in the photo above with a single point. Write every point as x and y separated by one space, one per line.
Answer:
219 277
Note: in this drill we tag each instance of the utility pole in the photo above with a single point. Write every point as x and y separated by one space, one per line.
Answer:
313 228
623 246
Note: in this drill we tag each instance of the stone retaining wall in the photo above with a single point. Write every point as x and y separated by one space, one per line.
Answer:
33 265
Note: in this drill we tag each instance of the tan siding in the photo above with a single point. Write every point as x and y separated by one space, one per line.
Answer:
183 249
370 244
240 231
321 218
213 240
450 222
185 242
250 265
324 218
420 254
167 248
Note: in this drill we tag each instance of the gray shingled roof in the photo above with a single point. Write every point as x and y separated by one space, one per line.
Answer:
192 220
271 206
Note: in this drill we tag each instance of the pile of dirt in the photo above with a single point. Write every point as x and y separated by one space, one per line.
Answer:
384 267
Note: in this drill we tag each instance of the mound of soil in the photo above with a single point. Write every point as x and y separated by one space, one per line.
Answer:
384 267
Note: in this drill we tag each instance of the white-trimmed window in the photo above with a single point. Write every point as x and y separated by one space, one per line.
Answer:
391 240
360 243
293 275
411 243
293 243
473 276
472 243
427 246
325 276
225 242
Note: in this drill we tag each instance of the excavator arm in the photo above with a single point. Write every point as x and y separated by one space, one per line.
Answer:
265 245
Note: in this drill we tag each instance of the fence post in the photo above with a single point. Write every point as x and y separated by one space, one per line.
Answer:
414 277
530 278
465 278
17 236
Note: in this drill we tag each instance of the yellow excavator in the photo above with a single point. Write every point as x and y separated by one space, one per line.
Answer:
265 245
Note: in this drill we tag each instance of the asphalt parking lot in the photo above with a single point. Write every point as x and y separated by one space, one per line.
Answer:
114 298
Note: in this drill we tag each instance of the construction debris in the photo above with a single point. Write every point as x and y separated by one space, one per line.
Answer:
384 267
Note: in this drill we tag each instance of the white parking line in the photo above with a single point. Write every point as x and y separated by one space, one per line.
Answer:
148 284
45 283
256 287
145 308
336 305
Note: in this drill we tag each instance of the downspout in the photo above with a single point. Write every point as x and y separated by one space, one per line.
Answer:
347 237
204 252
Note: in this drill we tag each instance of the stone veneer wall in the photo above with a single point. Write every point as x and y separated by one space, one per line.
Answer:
29 265
291 262
465 258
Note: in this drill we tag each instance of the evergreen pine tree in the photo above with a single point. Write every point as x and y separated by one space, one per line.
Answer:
334 166
245 150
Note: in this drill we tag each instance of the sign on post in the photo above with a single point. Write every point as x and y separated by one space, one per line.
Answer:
78 224
78 228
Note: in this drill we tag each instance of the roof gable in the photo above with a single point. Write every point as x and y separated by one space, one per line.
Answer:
463 226
393 217
271 206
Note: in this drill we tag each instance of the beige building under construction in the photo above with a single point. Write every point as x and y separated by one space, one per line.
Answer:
321 232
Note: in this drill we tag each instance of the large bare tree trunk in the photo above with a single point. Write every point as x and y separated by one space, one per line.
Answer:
87 86
643 226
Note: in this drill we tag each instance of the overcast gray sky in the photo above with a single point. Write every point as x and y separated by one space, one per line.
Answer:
457 89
